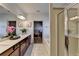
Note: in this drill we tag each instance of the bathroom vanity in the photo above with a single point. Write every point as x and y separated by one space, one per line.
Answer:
15 47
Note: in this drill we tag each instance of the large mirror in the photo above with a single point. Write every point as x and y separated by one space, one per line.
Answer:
5 17
73 30
8 19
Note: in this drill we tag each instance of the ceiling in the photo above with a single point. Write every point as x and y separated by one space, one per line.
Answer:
24 9
28 8
60 5
3 11
75 5
31 8
34 7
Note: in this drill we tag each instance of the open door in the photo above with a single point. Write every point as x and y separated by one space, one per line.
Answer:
38 31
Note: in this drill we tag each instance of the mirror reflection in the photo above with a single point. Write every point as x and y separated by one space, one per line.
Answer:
73 30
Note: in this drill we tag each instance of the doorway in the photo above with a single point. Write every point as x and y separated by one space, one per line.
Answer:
38 31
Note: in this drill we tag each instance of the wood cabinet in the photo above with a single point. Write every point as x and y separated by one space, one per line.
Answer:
15 53
23 47
25 44
7 52
18 49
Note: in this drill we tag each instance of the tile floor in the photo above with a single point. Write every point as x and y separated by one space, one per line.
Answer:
29 51
36 50
39 50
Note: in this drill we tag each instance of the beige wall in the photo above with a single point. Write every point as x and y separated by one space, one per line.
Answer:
60 33
53 26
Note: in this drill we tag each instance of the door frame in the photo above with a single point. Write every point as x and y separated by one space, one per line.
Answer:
33 30
59 35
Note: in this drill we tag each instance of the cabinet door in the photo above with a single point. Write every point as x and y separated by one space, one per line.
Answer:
23 48
15 53
8 52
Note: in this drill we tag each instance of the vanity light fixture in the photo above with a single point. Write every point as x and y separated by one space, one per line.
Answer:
74 18
21 17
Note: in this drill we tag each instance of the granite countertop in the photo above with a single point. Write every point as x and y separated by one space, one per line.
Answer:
6 44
